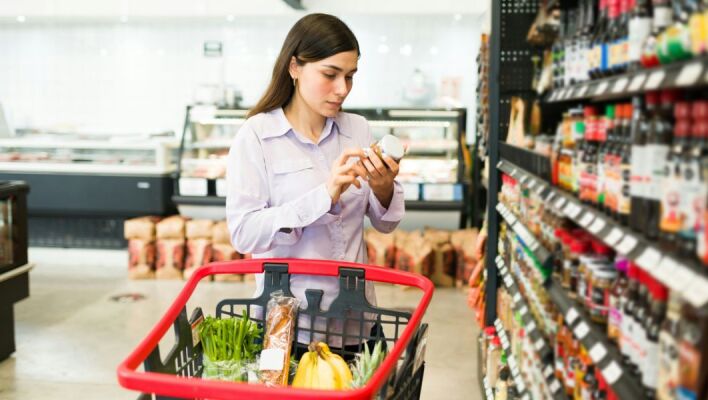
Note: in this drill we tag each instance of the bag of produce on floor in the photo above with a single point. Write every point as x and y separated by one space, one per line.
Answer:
199 229
220 233
170 258
140 228
230 348
415 254
171 228
444 264
198 254
141 259
463 242
380 248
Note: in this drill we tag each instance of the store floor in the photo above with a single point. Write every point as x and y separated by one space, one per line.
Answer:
71 335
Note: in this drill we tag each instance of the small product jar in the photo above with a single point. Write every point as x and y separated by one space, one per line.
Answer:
602 280
389 145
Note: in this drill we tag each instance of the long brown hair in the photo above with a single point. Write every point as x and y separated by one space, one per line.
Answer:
314 37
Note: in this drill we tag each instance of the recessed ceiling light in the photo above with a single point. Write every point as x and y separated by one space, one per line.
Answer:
406 50
21 18
434 50
457 16
383 48
383 38
230 18
123 19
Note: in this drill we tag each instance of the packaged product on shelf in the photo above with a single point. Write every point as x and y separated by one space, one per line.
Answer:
171 228
141 259
444 269
220 233
693 354
414 253
199 253
649 367
140 228
668 360
380 247
170 258
199 229
280 321
640 168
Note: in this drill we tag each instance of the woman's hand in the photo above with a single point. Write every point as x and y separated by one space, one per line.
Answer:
381 174
345 174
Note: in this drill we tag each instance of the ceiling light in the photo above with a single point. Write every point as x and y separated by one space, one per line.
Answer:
457 17
383 48
21 18
230 18
433 50
406 50
123 19
383 38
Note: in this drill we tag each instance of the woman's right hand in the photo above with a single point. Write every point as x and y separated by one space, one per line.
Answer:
345 174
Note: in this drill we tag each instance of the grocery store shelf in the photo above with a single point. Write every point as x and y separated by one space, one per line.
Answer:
16 272
527 239
529 160
84 168
683 275
691 73
488 393
513 366
604 355
541 346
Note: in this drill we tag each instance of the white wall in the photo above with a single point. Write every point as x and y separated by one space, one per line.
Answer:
139 76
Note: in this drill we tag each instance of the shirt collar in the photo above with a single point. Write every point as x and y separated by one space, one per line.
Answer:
278 125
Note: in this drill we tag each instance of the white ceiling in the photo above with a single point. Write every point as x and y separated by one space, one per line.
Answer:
101 9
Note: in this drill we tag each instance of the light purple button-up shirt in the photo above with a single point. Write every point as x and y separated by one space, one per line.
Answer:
278 205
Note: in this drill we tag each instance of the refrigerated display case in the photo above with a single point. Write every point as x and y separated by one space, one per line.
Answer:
85 186
433 172
14 268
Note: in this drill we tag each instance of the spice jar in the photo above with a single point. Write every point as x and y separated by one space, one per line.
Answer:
389 145
603 277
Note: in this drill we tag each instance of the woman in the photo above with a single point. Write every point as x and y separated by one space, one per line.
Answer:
299 183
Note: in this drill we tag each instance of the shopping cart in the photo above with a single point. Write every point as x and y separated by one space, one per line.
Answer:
177 376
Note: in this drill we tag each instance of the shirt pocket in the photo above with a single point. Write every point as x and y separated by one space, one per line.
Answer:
292 177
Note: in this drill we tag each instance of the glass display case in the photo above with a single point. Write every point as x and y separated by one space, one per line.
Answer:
433 171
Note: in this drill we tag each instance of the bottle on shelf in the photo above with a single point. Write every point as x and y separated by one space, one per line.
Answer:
585 41
627 344
673 202
569 47
693 354
620 45
658 147
639 314
639 29
662 18
698 27
658 295
605 131
640 165
598 54
617 300
613 37
700 115
624 160
668 362
587 153
675 44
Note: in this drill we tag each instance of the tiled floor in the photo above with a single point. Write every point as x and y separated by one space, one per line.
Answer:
71 336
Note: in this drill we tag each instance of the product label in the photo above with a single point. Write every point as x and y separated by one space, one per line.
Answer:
614 321
663 16
668 366
624 199
657 153
639 30
694 193
650 364
638 172
671 193
690 362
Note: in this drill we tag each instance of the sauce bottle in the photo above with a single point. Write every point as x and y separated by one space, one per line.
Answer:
701 132
639 31
652 325
640 165
658 142
630 303
668 350
693 354
663 17
641 311
617 300
606 128
672 189
624 159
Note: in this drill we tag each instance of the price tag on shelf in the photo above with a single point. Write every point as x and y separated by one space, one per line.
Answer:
597 226
523 179
193 187
697 292
548 371
614 236
683 276
572 210
513 172
664 271
505 342
221 188
520 387
571 316
627 244
524 310
619 85
554 94
532 184
500 163
636 83
539 344
526 397
569 94
531 326
587 219
601 88
550 196
508 282
581 92
655 80
517 297
650 258
540 189
689 74
598 352
500 261
560 202
612 373
555 386
582 330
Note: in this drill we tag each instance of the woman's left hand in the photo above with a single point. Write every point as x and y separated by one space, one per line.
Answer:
381 176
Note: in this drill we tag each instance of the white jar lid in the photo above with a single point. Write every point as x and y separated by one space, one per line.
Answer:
392 147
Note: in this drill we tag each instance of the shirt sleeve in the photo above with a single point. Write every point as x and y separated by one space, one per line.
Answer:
254 225
385 219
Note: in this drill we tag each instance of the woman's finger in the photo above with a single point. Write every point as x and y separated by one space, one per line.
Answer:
392 164
378 164
373 172
360 170
348 153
